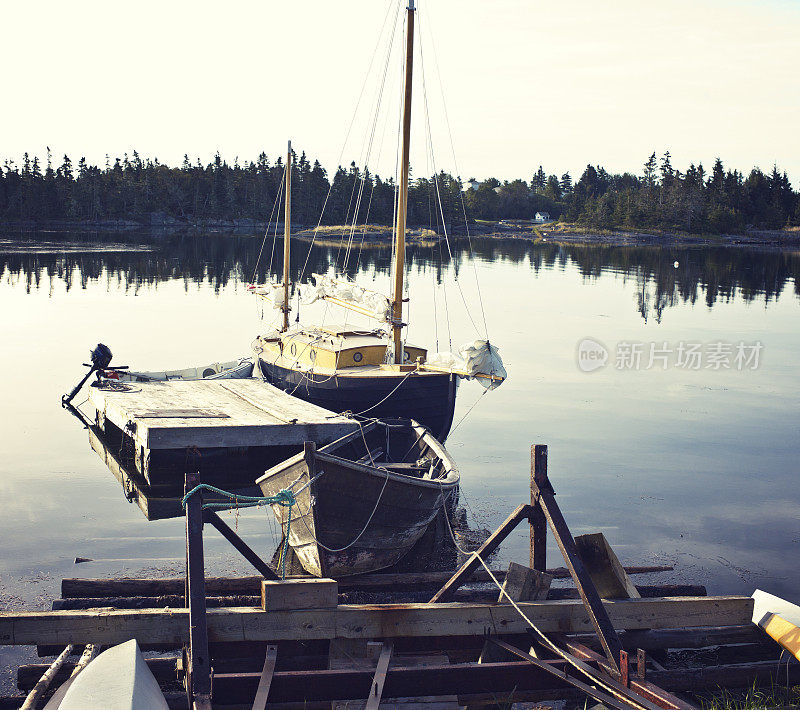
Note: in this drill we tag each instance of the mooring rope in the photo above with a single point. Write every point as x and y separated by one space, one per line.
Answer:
285 498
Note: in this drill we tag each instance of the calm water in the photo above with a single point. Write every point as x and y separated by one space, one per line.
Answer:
692 467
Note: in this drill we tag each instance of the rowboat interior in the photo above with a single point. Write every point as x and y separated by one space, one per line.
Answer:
364 501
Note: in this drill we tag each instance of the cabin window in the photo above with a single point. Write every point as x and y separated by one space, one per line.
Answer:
293 349
357 357
406 356
313 355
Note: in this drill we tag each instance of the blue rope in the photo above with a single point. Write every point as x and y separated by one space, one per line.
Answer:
285 498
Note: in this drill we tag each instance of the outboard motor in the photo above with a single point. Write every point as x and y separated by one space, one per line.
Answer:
101 359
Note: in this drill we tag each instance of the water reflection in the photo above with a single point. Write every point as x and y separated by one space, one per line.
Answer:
664 276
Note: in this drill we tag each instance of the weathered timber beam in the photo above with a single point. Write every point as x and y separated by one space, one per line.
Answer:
209 516
355 684
594 606
251 585
661 639
647 689
373 621
612 695
176 601
162 668
738 675
490 545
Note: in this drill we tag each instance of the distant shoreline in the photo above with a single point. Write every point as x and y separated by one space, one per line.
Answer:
377 235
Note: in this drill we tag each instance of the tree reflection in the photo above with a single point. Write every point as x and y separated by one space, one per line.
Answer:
664 276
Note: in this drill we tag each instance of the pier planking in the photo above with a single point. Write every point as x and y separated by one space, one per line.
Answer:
165 419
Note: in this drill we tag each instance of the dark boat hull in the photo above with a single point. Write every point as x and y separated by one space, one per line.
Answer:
356 518
429 399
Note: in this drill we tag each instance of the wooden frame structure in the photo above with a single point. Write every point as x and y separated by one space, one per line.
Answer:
271 641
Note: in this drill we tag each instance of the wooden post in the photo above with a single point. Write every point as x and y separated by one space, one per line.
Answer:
198 679
538 557
445 594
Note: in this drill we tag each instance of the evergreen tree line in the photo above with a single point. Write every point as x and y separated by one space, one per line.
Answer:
135 188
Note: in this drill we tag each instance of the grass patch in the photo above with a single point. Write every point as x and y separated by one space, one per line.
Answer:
754 698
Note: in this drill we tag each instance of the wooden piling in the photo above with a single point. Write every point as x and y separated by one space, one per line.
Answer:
538 522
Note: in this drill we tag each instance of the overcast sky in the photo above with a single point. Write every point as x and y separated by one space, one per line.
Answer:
560 84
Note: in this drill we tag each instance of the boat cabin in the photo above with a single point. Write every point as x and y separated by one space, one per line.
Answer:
333 347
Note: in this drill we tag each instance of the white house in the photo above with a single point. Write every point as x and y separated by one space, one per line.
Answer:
470 185
542 217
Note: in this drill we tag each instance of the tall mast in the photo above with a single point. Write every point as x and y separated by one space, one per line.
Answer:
287 228
400 234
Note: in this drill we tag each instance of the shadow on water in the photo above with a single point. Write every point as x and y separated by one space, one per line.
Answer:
665 276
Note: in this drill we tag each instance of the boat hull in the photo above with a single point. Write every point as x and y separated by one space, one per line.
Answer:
366 518
429 399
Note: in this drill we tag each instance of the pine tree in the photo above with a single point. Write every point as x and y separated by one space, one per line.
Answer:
650 171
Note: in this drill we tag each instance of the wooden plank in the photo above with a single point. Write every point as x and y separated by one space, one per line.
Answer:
314 593
603 566
608 701
486 549
154 626
241 546
262 692
191 413
524 584
379 679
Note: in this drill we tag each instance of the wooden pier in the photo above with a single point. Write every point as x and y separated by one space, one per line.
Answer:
237 424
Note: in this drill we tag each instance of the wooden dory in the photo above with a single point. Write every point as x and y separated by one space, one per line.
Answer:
363 501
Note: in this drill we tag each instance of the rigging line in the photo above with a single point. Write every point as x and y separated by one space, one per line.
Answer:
266 234
366 151
347 136
368 154
436 182
398 142
275 235
444 295
455 164
372 192
468 411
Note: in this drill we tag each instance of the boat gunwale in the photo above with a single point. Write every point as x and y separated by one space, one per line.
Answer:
450 481
323 454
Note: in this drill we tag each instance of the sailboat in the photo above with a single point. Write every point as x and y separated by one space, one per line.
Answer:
371 373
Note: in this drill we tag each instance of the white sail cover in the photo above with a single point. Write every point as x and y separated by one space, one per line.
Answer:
271 292
376 303
479 357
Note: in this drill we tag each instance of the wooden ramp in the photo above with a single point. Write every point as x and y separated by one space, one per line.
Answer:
207 418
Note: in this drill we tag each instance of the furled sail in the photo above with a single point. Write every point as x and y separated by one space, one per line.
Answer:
349 295
271 292
479 359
